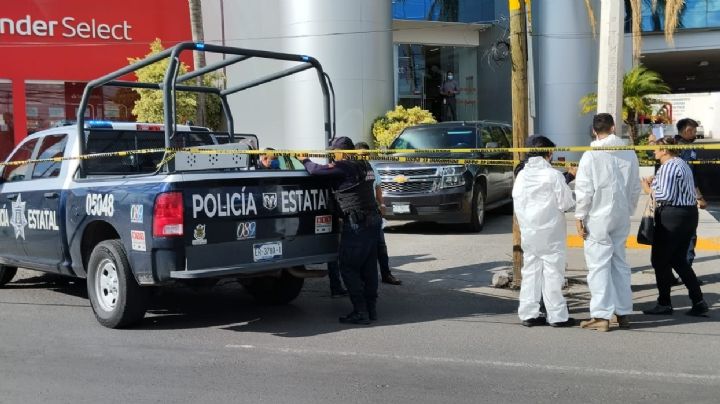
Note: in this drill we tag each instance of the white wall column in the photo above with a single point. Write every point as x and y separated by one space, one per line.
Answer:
610 63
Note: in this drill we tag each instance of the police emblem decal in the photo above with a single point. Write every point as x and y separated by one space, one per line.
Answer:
270 200
18 220
199 235
246 230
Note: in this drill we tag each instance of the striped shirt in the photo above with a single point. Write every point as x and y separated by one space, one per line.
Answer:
674 184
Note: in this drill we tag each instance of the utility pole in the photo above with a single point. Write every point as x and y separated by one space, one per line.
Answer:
518 52
610 67
198 35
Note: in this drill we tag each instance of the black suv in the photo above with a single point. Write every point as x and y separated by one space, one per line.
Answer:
448 193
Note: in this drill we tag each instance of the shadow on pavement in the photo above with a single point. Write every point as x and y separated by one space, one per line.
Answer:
495 223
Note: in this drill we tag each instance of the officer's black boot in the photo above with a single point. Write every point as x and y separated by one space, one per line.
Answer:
372 310
359 315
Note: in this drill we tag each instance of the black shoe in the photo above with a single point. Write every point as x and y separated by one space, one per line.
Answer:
699 309
534 321
678 281
355 317
659 309
570 322
389 278
338 293
372 312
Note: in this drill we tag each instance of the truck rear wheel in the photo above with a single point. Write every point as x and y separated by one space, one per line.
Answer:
275 290
116 298
6 274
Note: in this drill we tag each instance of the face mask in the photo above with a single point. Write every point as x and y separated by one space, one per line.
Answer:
450 76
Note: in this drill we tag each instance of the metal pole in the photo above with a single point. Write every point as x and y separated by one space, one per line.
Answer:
518 48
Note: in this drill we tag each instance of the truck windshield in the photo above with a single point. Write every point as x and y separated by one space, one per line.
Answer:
436 138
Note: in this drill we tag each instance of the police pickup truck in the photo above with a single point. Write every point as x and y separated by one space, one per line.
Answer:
131 206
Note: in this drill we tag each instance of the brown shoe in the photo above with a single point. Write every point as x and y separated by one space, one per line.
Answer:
389 278
599 324
623 321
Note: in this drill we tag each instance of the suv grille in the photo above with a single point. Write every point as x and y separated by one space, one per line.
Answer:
424 186
407 172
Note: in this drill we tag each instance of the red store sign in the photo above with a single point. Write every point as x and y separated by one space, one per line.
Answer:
79 40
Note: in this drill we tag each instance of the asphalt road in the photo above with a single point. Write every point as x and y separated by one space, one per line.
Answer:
444 336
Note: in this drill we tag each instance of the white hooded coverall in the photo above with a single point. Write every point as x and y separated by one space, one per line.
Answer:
607 188
540 198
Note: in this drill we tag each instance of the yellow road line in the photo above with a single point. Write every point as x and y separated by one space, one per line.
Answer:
703 244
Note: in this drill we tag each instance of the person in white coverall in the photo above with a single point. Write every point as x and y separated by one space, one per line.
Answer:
540 199
607 188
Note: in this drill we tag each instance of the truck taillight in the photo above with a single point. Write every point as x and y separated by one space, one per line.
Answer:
168 215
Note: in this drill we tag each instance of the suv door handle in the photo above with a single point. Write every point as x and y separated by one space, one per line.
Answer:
51 195
11 197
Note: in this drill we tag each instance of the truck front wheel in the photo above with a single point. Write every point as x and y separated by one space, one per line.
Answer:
274 290
477 209
116 298
6 274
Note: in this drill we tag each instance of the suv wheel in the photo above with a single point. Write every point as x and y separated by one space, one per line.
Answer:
477 214
274 290
116 298
6 274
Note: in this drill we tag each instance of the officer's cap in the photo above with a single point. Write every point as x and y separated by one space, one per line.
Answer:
342 143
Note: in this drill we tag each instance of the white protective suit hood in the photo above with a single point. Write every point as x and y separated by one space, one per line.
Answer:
540 198
607 188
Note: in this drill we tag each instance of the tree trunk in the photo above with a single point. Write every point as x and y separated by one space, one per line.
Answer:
198 35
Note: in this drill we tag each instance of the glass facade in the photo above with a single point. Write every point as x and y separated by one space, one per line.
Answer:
422 70
466 11
694 15
7 141
51 103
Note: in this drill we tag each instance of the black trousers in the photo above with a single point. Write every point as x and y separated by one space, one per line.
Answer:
358 261
674 229
449 108
383 258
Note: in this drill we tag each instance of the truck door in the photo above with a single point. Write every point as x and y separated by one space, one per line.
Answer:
44 214
13 217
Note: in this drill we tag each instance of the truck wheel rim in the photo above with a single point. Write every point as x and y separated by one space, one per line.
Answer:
106 285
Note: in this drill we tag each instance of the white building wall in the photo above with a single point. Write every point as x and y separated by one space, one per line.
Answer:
351 39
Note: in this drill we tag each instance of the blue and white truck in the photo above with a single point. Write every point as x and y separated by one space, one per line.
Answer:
91 201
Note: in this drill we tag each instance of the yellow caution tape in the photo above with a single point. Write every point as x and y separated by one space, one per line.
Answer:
399 155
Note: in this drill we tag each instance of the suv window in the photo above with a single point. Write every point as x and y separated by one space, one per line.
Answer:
18 173
498 136
51 146
485 136
436 137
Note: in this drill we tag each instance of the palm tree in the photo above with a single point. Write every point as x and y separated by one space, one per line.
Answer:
639 84
673 9
198 35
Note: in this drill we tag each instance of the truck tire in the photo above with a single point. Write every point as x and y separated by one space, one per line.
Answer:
275 290
116 298
477 213
6 274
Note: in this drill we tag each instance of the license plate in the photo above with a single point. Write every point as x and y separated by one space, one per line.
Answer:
267 251
401 208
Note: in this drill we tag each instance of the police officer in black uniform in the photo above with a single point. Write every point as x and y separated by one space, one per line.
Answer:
354 190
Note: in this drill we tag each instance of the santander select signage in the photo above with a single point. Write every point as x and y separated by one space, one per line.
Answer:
66 27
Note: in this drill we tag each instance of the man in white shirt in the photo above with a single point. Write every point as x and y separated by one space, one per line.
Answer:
607 188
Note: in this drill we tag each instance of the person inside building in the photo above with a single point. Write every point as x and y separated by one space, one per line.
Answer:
607 189
383 257
448 90
353 183
676 220
541 197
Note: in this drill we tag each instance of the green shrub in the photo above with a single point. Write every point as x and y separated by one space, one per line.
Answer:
386 128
